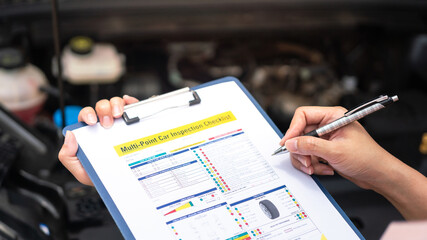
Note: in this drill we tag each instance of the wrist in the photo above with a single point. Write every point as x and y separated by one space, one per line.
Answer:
393 173
404 187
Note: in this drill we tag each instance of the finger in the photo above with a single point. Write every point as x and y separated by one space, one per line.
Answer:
287 136
321 163
67 156
314 159
305 116
88 116
322 169
312 146
321 160
69 148
303 159
298 165
313 167
129 100
310 128
104 111
117 104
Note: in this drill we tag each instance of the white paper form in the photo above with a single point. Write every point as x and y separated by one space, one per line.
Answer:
206 172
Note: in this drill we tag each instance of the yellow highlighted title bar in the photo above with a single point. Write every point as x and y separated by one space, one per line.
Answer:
172 134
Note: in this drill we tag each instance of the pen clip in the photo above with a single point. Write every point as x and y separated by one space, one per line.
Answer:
367 104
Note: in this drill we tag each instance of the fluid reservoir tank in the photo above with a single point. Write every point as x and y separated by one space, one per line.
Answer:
87 62
19 85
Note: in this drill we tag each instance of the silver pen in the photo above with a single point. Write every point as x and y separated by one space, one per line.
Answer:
349 117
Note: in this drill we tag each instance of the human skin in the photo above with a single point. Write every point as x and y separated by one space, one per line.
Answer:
106 111
351 152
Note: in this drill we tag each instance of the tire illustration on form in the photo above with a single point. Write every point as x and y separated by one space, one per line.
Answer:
269 209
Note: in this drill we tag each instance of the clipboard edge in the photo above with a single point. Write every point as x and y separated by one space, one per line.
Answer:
280 134
118 218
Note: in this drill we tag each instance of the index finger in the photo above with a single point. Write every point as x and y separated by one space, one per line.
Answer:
311 116
88 116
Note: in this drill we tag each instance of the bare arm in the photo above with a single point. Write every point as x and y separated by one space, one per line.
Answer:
352 153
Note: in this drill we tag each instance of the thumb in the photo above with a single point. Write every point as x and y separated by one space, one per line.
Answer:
67 156
70 144
306 145
68 150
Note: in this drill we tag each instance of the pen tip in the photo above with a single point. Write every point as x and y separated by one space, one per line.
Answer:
277 151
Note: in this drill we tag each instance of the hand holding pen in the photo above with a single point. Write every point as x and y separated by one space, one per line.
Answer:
352 153
349 150
349 117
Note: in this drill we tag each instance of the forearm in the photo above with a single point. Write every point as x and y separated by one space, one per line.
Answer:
405 188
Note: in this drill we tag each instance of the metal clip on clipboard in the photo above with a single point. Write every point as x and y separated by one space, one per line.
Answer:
128 120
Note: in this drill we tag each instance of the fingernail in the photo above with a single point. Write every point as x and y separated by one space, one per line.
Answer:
106 121
91 118
125 96
305 162
291 145
302 160
306 170
328 172
116 111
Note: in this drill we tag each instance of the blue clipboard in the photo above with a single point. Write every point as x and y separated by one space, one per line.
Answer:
112 208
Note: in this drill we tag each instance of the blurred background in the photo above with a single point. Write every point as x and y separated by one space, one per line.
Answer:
288 53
